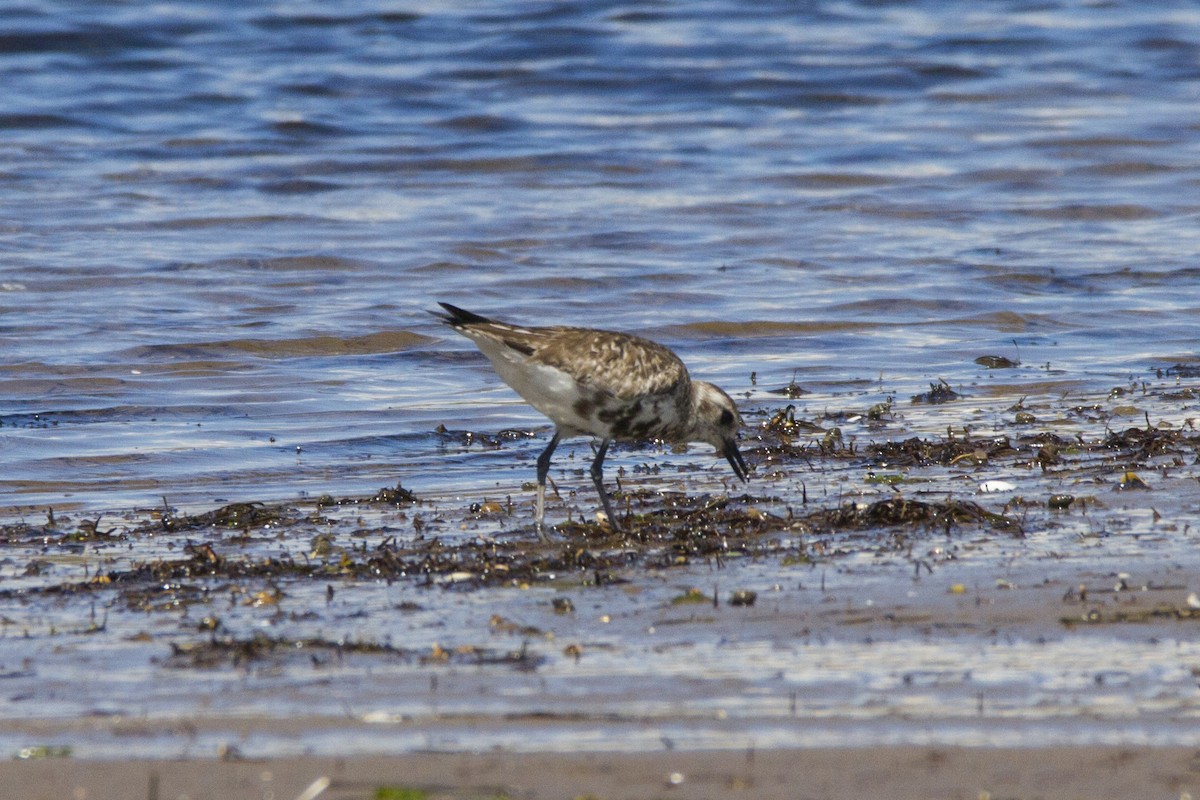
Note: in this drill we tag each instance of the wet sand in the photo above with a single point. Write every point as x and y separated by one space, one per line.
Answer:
897 773
870 622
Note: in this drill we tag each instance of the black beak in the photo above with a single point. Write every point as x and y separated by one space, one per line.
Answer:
734 457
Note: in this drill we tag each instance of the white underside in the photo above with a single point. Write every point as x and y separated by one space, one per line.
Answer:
548 389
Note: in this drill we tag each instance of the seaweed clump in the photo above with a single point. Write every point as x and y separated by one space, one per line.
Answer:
900 511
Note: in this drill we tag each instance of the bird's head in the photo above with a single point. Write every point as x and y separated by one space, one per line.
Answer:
715 420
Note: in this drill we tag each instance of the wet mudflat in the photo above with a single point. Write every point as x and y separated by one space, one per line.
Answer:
992 564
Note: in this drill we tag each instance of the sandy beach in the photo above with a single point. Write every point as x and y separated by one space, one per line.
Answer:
897 773
933 642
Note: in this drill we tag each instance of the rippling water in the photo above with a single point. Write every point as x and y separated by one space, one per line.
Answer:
223 222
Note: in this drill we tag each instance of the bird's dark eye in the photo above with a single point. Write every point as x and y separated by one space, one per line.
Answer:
726 417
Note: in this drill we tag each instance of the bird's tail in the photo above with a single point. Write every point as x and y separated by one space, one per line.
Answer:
459 317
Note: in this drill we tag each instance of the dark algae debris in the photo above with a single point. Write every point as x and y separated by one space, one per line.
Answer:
829 484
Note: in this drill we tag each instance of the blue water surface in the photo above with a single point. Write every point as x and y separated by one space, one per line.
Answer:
223 223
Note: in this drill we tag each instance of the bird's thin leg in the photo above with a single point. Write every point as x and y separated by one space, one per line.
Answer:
598 479
543 469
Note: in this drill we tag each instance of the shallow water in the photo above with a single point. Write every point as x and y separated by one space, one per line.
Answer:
223 226
856 648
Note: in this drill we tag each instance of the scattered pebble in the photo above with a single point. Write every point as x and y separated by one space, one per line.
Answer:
743 597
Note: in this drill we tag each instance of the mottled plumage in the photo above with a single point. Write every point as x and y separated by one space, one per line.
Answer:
607 384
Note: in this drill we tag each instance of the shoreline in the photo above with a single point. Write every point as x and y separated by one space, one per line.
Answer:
1037 579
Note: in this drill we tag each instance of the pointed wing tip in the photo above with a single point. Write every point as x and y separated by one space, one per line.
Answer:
458 317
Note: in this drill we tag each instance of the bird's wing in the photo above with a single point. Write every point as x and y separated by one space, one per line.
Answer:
618 363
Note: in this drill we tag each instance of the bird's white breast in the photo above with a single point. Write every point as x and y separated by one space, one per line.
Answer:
548 389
